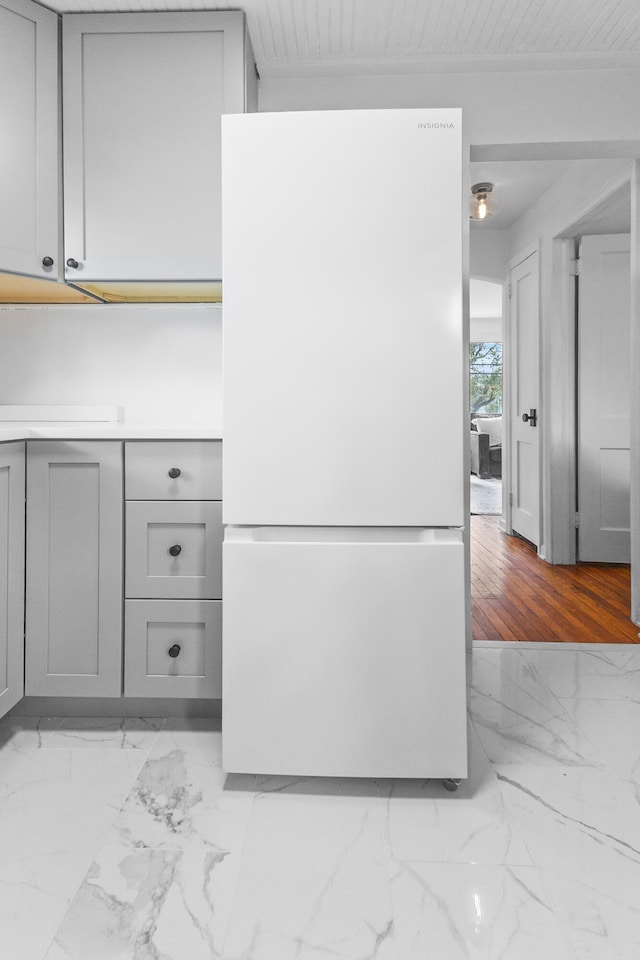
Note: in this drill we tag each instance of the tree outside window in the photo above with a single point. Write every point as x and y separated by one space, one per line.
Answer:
485 363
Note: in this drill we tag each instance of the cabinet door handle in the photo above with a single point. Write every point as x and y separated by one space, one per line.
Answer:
175 550
174 472
47 261
72 263
174 651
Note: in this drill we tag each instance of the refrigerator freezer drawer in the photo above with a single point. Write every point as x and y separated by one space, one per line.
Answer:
344 658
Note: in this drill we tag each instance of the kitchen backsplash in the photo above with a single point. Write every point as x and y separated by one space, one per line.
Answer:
162 364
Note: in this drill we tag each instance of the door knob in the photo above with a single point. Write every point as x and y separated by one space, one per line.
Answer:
72 263
47 261
531 418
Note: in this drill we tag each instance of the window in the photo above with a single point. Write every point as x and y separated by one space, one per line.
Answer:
485 366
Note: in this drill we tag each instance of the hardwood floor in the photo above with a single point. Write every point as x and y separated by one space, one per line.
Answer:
517 596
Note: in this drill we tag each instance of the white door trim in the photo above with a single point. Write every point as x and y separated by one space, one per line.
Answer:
558 377
559 370
635 391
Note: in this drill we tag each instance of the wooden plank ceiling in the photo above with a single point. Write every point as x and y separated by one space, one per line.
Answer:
293 38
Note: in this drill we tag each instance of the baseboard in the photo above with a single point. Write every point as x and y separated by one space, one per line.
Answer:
115 707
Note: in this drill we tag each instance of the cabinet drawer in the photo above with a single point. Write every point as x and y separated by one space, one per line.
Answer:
173 648
173 470
174 550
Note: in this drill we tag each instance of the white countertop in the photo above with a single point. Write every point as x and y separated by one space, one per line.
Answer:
70 430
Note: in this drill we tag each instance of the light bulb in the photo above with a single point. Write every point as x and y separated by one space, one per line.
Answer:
481 202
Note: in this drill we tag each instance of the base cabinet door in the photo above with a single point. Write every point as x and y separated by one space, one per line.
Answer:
11 575
74 568
174 648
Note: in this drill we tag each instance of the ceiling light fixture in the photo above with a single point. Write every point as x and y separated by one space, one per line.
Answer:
481 204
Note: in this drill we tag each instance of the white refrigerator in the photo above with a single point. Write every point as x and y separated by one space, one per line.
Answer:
343 478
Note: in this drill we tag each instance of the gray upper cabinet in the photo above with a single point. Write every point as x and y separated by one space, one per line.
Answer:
30 221
74 568
11 575
143 95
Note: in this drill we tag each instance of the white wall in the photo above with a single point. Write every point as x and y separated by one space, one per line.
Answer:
505 107
488 254
485 330
162 363
564 202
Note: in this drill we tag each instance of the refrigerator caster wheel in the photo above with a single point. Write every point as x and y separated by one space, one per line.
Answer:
450 785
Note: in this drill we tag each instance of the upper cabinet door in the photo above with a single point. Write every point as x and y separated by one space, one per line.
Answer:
29 113
143 95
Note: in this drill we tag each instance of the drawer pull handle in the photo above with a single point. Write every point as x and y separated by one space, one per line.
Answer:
174 651
174 472
175 550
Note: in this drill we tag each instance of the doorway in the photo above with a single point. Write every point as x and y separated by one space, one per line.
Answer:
485 396
517 595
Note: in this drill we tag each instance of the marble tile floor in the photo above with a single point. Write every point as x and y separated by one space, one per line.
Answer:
124 840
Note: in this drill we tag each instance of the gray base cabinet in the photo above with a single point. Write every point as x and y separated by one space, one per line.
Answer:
173 563
74 569
11 575
69 640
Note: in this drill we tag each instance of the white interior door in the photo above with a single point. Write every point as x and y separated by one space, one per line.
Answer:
603 399
525 444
